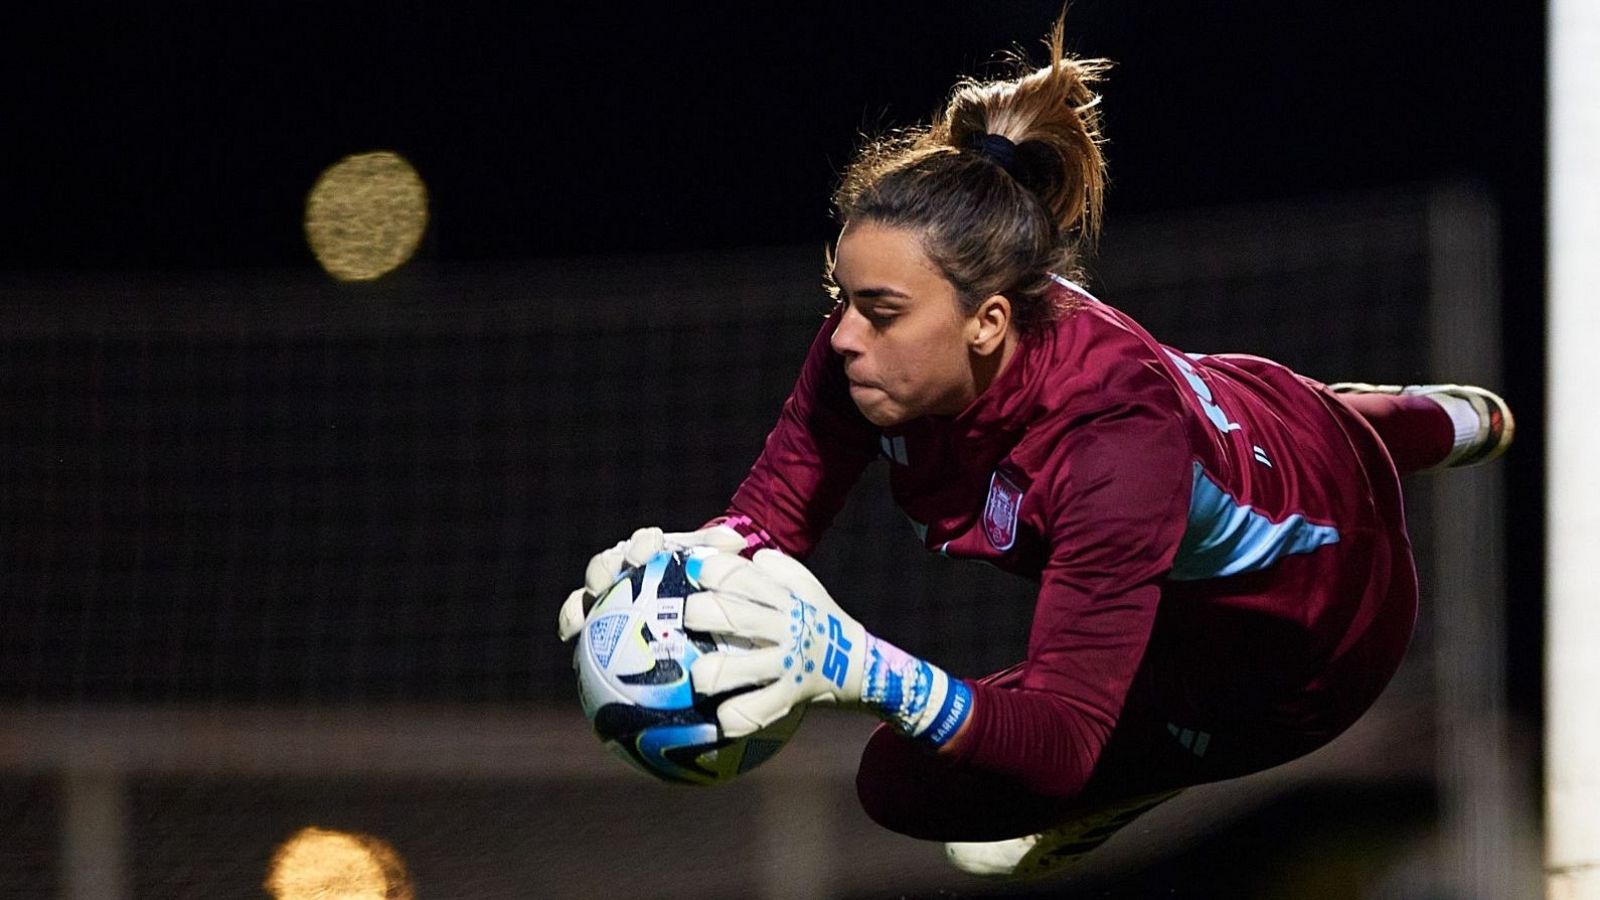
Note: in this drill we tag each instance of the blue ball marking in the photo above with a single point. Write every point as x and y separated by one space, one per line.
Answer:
808 643
811 666
797 679
788 662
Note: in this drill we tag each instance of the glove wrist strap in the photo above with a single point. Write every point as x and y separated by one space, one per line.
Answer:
915 697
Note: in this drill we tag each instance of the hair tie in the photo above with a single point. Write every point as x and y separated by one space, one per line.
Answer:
996 148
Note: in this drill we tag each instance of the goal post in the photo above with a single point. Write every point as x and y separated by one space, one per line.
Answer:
1572 665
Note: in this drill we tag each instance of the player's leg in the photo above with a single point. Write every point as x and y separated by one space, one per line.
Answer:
1055 848
908 789
905 788
997 829
1147 762
1433 426
1224 694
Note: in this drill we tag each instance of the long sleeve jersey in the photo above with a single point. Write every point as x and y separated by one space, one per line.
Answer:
1118 472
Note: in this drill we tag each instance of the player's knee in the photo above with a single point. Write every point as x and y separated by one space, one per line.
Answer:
906 788
884 805
888 762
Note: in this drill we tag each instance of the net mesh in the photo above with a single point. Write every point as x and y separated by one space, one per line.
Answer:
310 492
264 488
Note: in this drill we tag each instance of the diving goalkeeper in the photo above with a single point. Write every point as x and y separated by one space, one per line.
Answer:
1225 580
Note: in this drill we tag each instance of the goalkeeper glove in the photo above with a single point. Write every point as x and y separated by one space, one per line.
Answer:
607 566
810 651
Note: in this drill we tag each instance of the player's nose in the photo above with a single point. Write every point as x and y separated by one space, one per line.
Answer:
846 339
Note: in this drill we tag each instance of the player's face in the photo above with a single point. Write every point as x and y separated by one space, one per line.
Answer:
903 335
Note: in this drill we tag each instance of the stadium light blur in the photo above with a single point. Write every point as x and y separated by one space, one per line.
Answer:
365 215
317 864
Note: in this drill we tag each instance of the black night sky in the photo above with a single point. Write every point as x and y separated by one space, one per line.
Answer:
183 136
186 135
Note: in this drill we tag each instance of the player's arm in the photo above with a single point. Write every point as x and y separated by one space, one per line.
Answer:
810 651
1120 506
811 459
1121 512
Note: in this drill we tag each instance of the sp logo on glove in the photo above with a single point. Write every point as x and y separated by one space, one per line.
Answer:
808 649
836 665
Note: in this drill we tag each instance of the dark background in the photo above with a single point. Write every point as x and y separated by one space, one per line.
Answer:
185 136
234 496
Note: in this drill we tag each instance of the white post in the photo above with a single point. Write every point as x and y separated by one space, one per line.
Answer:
1572 658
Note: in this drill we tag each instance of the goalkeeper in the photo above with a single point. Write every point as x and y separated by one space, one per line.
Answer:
1225 580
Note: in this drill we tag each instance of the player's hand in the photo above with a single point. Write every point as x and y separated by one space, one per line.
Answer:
810 650
607 566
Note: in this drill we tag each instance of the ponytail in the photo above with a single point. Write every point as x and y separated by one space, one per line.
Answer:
1006 185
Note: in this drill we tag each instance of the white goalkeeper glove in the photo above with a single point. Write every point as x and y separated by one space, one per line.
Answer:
607 566
809 651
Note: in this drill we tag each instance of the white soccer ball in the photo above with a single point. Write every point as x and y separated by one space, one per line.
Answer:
633 658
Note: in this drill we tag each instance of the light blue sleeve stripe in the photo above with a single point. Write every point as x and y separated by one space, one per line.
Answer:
1225 537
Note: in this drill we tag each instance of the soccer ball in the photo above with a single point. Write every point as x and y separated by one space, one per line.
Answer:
633 658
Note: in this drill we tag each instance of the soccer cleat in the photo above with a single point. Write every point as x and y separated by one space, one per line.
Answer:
1051 850
1483 422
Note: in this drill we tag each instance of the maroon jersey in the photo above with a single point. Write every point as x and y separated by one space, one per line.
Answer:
1218 542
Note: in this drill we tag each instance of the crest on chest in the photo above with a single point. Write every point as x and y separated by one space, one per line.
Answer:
1000 511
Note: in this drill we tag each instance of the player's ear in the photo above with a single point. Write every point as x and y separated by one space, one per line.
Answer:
989 324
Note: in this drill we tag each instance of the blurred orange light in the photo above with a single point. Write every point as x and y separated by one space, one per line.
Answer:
365 215
317 864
